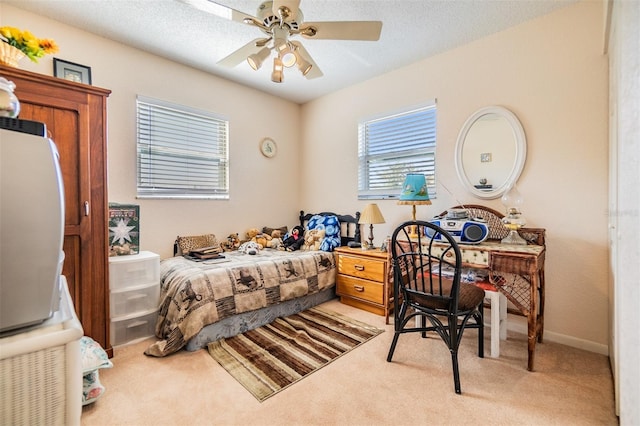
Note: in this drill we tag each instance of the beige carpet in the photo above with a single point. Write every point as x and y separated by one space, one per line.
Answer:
568 387
275 356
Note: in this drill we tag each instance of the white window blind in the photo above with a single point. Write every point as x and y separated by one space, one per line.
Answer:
389 147
182 152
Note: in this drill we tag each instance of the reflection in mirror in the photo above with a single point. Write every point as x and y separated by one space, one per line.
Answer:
490 152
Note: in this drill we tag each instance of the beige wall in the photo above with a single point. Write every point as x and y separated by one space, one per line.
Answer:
552 74
253 115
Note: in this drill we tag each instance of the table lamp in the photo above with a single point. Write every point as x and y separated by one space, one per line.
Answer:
414 193
512 201
370 215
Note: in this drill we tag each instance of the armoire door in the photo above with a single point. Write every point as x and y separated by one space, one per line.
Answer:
75 117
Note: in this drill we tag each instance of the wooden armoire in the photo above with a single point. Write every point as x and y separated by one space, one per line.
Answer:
76 118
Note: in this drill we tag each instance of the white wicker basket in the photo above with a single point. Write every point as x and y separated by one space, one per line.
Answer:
41 371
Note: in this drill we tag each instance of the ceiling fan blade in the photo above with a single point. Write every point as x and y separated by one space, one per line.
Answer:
219 10
292 5
342 30
315 71
241 54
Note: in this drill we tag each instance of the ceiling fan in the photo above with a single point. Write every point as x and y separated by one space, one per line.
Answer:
280 20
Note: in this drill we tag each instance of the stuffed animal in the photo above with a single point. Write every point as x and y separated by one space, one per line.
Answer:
249 247
253 234
276 239
294 239
116 250
313 239
232 242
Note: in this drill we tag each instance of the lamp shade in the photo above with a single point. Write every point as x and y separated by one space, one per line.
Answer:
255 60
414 188
276 75
303 65
512 199
371 214
288 57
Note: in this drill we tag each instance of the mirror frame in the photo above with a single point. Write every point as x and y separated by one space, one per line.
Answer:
521 151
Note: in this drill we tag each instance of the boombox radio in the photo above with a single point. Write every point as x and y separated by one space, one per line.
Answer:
463 230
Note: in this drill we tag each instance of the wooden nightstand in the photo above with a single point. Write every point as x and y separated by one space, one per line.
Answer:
362 280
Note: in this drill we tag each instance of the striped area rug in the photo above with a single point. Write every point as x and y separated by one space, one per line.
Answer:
272 357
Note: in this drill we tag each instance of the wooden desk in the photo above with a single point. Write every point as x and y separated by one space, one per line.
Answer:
518 273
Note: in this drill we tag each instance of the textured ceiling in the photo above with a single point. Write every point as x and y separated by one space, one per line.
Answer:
412 30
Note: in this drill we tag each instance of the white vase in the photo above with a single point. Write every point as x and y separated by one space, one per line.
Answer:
9 103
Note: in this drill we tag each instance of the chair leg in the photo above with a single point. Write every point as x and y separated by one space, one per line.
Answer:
398 319
393 346
456 371
480 320
453 348
423 324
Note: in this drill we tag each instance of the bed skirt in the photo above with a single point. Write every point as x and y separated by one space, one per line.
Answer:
237 324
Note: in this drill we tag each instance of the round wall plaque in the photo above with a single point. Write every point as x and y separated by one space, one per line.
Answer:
268 147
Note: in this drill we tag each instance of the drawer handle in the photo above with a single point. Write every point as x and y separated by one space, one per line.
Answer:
358 288
358 267
136 324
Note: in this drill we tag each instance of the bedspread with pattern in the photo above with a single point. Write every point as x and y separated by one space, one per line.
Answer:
196 294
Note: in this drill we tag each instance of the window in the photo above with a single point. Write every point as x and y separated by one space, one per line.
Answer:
389 147
182 152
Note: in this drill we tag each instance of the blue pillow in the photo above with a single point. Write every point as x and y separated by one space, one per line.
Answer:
331 226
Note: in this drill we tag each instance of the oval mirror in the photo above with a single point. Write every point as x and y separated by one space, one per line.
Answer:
490 152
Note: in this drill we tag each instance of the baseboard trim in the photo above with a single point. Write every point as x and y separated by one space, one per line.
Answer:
563 339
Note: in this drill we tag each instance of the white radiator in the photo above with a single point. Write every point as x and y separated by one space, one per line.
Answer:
41 371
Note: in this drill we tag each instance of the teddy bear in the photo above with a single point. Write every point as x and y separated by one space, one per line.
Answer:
120 250
253 234
232 242
276 240
313 239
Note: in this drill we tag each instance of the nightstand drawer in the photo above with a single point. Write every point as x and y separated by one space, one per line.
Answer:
368 269
361 289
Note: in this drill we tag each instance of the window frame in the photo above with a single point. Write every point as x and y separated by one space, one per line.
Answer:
184 157
390 157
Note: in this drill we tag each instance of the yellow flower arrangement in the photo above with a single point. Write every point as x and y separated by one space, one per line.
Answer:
27 43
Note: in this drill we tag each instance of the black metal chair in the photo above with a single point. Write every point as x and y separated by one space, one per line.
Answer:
426 285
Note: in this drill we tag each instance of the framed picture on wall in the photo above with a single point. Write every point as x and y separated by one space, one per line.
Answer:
71 71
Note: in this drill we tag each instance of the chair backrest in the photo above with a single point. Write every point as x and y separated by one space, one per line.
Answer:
426 267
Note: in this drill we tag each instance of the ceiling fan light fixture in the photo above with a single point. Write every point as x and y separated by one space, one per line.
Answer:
277 75
285 51
304 66
255 60
281 20
288 57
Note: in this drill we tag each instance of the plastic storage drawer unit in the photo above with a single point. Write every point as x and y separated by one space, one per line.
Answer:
134 270
135 299
132 328
134 284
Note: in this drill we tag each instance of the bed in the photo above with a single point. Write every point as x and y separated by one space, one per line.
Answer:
201 302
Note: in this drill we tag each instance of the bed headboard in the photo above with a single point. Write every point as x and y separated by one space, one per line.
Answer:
350 228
